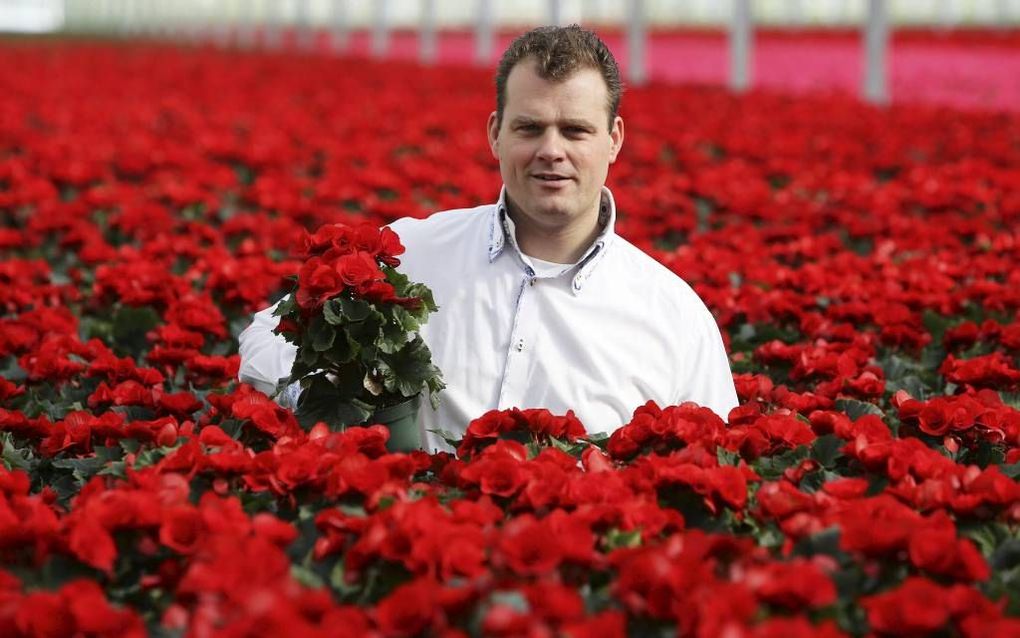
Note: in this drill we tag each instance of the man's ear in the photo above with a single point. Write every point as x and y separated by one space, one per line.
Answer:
616 138
492 130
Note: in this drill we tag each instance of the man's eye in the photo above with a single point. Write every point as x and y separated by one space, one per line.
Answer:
574 131
529 128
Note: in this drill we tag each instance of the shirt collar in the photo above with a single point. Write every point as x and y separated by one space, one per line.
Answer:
501 231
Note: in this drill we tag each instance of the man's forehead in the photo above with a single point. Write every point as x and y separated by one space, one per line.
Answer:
581 95
529 72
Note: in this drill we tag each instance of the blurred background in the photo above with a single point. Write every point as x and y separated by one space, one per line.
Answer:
961 53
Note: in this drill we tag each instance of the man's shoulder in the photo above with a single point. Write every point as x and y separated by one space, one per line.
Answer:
645 270
442 221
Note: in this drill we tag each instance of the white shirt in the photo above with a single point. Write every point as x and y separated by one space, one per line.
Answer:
599 337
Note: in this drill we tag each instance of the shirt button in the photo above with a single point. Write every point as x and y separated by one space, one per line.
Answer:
532 282
519 345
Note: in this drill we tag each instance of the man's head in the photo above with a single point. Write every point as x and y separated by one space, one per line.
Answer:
555 130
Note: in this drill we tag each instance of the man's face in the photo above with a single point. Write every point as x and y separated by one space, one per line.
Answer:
554 146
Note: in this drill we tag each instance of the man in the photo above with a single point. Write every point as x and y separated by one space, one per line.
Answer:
541 303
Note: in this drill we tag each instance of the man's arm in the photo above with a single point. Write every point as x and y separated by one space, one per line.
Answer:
708 380
265 357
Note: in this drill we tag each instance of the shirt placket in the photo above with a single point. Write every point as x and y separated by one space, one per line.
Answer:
522 343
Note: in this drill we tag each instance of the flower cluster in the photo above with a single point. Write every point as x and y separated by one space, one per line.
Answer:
341 258
860 262
354 320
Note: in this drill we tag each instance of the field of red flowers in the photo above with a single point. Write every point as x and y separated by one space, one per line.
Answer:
862 264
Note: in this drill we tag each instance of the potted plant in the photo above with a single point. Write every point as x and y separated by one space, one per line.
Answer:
355 319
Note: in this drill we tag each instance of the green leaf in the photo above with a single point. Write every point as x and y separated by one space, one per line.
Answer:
936 324
355 309
404 320
323 401
573 449
932 356
615 539
130 325
813 481
725 457
333 313
1012 470
86 467
513 599
771 468
15 458
984 454
345 349
398 280
600 439
407 371
338 581
321 335
1012 399
286 306
306 576
824 542
65 485
451 439
826 450
428 304
308 356
93 327
130 446
1006 556
856 409
12 371
368 330
988 536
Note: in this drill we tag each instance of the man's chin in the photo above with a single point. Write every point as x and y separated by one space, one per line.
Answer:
552 210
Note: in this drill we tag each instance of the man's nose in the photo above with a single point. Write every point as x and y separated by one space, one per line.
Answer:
551 147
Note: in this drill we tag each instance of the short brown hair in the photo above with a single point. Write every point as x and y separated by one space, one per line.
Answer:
559 52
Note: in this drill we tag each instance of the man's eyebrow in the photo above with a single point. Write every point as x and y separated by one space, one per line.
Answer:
578 123
523 120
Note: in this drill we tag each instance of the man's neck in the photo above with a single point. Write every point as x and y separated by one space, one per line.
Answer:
562 245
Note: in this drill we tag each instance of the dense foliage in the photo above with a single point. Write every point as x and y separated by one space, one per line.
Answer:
862 265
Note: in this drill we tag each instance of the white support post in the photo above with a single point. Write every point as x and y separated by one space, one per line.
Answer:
556 12
124 18
159 16
168 22
104 13
876 42
272 34
220 26
946 14
740 46
146 18
637 44
247 24
339 31
1003 13
796 12
484 33
304 33
65 16
380 29
428 47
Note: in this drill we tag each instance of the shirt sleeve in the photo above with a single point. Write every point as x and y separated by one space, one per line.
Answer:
266 357
707 379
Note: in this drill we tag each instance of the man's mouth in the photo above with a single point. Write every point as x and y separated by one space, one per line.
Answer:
550 177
